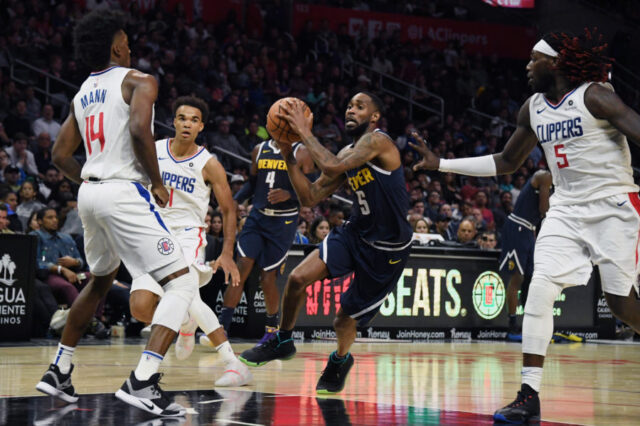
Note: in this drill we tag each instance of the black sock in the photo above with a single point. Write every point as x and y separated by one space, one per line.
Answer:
512 320
285 334
272 320
225 317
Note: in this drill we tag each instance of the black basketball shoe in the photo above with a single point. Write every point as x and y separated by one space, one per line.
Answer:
272 349
525 408
56 384
147 395
334 375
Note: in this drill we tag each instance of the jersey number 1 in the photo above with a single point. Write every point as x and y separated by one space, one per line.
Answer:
89 134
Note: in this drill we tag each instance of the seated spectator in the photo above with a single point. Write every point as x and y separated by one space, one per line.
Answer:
227 141
5 161
20 156
336 216
61 191
29 202
251 137
307 214
12 178
235 183
467 233
433 205
488 240
301 232
440 226
214 242
17 121
50 181
319 230
46 123
326 130
42 153
421 227
216 225
32 223
4 220
481 201
10 200
70 217
58 258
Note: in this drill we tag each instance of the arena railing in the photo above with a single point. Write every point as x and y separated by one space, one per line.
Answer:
400 89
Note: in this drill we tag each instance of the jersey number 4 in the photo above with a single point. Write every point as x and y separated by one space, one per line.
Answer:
271 178
561 156
90 135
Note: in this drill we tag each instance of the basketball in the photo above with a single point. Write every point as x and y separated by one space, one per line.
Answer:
278 128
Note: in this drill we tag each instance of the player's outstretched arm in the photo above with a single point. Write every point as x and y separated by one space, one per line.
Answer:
515 152
603 103
143 90
309 194
66 144
214 173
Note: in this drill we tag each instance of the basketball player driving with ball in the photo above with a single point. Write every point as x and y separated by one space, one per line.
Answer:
593 217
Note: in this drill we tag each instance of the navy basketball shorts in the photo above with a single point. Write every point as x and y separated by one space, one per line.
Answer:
267 239
376 271
518 244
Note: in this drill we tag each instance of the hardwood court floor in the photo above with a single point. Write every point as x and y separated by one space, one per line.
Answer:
391 383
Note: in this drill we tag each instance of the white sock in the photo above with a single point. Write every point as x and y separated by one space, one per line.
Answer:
148 365
62 358
225 351
532 376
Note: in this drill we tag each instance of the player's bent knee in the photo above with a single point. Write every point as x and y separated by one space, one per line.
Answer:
178 295
142 304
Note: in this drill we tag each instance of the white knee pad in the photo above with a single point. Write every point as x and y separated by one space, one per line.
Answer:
203 315
178 294
537 325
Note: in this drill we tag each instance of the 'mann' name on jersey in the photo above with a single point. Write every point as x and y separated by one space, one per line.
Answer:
272 173
189 194
379 212
103 120
588 157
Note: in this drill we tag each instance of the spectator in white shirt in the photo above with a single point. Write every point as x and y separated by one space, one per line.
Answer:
20 156
46 123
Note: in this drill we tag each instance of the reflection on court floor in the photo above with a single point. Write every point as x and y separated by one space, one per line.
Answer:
391 383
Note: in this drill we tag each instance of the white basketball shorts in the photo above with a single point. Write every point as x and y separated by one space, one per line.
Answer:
193 242
603 232
121 221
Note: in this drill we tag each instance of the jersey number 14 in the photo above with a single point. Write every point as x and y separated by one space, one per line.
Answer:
90 135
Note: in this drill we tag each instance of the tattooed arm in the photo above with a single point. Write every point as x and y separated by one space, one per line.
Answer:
366 149
309 193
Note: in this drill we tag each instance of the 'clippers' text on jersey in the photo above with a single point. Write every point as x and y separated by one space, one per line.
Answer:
564 129
182 183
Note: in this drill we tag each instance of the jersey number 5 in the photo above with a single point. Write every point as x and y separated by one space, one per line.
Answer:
561 156
90 135
364 206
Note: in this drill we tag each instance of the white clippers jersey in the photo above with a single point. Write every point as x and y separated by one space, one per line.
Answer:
103 119
588 157
189 195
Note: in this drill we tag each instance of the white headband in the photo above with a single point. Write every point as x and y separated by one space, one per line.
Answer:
544 47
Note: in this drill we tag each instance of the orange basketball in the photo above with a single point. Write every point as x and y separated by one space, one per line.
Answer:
278 128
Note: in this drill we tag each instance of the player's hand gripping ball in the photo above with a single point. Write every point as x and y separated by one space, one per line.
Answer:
281 113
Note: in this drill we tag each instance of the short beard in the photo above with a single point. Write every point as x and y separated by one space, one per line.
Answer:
357 131
544 84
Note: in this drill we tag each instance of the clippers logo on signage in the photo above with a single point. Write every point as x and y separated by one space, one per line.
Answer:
488 295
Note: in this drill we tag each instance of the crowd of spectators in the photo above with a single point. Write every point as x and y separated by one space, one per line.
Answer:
239 73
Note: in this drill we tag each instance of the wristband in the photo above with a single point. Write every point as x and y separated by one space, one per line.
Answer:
475 166
59 269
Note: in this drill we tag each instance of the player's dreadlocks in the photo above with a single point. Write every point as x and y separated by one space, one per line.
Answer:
94 34
581 58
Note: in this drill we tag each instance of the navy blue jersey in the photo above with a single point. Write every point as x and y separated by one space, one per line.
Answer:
527 204
380 205
272 173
